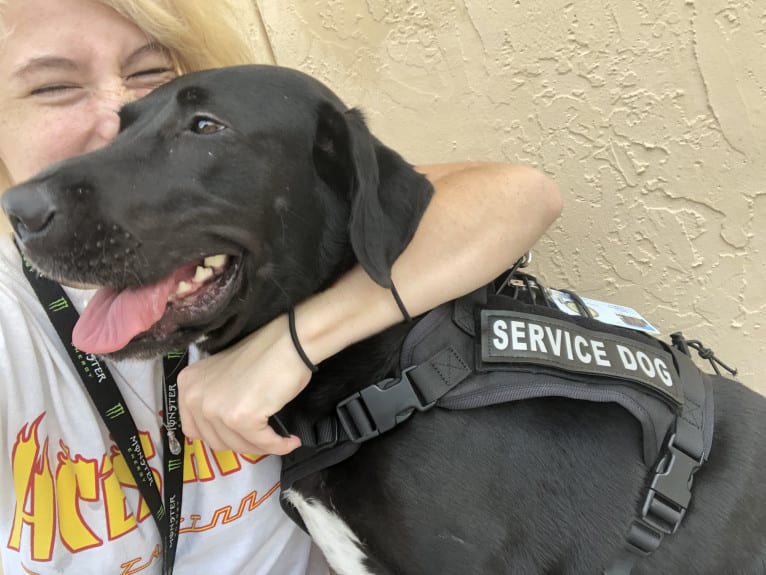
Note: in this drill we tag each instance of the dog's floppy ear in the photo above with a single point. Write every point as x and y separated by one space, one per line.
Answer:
387 196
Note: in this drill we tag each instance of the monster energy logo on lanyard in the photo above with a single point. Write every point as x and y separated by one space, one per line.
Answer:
111 406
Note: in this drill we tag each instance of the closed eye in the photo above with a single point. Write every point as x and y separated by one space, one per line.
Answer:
52 89
152 72
144 81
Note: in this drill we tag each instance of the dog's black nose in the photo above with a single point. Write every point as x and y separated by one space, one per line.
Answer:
29 208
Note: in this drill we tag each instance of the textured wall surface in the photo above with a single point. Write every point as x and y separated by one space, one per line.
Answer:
650 115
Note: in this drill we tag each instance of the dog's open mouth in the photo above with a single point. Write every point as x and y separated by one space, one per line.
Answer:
113 318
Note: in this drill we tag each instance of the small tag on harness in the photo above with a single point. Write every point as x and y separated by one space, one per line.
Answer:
605 312
516 337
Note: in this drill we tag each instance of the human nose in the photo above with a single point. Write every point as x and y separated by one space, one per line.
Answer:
108 103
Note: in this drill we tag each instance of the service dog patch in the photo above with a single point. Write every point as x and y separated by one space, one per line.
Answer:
517 337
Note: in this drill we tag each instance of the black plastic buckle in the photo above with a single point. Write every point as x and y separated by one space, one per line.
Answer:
379 407
670 492
643 539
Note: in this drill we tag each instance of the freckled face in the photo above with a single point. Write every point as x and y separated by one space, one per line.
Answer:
66 68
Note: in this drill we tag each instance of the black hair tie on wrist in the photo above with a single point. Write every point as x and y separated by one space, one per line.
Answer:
297 343
400 303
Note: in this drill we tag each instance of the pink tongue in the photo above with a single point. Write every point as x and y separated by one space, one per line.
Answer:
112 319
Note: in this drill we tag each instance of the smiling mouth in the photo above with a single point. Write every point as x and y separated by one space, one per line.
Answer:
187 298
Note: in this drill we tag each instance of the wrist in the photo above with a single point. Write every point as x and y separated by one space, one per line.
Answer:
351 310
297 342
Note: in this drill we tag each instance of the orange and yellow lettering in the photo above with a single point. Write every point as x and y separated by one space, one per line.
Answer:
252 458
119 520
35 495
196 463
227 461
135 566
125 477
75 481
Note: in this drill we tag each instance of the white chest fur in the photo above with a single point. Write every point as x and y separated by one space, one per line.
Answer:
341 547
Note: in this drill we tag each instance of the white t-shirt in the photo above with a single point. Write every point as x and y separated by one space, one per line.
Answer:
66 500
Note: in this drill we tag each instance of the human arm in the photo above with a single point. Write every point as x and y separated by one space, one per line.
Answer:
482 218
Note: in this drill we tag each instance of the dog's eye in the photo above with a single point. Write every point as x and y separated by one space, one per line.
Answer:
203 125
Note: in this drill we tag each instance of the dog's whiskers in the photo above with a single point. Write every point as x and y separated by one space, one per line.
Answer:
287 210
282 222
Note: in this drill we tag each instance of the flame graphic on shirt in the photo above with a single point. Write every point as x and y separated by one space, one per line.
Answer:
49 501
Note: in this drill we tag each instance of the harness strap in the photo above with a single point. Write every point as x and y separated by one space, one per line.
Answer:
694 429
680 444
381 406
669 494
364 415
306 461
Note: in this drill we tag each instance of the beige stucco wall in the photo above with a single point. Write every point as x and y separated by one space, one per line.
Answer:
651 116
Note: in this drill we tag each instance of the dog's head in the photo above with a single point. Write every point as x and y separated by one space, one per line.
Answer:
228 196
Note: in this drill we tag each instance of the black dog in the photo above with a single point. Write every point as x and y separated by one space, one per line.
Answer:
268 168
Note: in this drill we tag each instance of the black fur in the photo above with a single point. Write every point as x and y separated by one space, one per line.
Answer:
297 190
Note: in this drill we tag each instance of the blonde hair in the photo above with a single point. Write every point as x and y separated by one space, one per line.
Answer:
199 34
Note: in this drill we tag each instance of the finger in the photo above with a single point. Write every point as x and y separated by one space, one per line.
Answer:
263 441
218 436
189 424
208 433
190 375
190 396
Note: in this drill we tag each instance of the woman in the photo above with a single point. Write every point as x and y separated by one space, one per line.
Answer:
68 501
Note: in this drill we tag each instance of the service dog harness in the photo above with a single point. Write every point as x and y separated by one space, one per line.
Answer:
489 348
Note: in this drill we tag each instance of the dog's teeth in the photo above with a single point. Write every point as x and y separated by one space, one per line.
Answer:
202 274
184 288
215 261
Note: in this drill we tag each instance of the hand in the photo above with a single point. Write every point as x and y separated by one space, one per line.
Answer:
227 399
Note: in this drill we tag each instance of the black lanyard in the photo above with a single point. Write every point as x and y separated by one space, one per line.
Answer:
111 406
